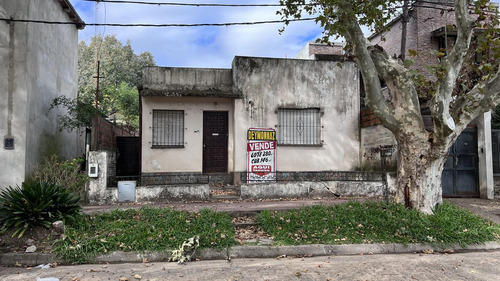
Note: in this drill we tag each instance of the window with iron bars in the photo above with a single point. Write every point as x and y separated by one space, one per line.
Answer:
299 126
168 128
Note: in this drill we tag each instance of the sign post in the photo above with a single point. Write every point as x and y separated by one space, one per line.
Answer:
261 155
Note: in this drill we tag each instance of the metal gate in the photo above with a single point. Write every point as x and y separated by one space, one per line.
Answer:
127 158
460 173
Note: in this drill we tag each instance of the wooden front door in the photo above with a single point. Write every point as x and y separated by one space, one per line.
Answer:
215 136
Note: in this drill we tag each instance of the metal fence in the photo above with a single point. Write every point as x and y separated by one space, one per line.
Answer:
150 179
317 176
495 145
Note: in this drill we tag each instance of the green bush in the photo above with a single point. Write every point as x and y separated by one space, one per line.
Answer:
64 173
36 204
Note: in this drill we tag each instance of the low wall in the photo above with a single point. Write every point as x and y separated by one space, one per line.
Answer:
496 184
313 189
298 184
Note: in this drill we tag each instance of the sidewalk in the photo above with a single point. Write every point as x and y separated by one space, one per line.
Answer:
488 209
234 207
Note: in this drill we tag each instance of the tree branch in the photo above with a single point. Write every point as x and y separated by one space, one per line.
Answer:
374 97
404 97
444 124
482 98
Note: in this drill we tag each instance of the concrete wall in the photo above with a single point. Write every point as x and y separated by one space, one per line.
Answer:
268 84
189 158
320 189
39 62
373 140
170 81
485 158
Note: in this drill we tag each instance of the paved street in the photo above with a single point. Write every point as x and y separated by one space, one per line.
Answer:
458 266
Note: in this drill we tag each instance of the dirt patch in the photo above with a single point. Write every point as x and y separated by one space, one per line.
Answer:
40 237
224 192
247 231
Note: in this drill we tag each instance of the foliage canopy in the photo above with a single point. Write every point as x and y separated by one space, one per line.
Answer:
120 72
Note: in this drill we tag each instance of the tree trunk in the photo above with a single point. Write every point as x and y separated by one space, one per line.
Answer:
419 173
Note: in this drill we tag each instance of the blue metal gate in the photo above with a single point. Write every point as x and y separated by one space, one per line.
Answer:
460 173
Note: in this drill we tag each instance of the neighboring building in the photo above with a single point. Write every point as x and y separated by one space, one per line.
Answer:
468 171
196 120
38 62
318 51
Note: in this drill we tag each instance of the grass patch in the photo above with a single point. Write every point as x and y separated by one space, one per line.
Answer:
377 222
145 229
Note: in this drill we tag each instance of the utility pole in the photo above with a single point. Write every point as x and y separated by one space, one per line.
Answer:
403 30
403 55
96 121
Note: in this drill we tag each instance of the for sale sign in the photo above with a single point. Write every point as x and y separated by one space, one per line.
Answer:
261 149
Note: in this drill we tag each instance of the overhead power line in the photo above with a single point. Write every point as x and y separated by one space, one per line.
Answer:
193 4
157 25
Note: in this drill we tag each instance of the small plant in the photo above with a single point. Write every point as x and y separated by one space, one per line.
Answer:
36 204
67 174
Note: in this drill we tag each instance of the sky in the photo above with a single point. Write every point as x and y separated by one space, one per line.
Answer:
212 47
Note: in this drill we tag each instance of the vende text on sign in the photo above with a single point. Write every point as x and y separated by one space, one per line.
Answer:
261 148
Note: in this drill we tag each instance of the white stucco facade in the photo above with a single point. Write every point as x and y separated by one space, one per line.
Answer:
188 158
251 93
38 63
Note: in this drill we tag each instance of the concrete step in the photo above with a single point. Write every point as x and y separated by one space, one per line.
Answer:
225 197
223 191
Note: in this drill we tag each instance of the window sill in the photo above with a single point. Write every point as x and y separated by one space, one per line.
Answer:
166 146
302 145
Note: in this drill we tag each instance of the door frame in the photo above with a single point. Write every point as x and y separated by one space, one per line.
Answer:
206 169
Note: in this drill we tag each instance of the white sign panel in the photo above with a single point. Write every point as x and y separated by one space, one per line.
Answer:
261 150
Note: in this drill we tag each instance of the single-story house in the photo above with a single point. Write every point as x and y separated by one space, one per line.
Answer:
196 121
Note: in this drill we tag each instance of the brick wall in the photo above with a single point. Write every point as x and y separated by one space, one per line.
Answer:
107 133
422 21
368 118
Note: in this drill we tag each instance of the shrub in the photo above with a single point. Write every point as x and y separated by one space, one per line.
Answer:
64 173
36 204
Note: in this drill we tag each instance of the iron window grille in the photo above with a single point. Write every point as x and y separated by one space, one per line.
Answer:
299 126
168 128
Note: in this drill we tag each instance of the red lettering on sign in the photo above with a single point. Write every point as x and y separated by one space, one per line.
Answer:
261 170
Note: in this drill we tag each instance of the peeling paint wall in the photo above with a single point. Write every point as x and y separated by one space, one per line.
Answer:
321 189
252 96
269 84
372 139
38 63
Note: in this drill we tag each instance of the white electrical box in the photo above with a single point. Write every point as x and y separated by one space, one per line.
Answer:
126 191
93 170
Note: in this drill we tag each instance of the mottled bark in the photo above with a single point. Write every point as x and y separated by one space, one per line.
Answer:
421 153
419 173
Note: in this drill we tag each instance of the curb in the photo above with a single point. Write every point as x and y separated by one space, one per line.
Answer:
239 252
